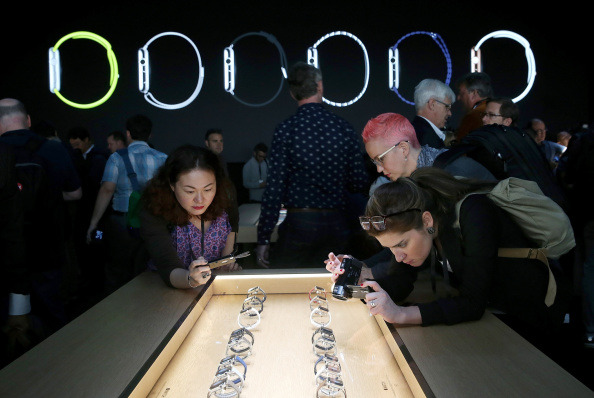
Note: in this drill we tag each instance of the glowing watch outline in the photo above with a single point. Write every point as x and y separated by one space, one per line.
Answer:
312 59
55 68
394 61
229 66
476 63
144 73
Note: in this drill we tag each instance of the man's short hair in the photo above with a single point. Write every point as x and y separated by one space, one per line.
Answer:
509 109
479 81
431 88
140 127
390 128
78 132
14 110
212 131
261 147
303 80
117 136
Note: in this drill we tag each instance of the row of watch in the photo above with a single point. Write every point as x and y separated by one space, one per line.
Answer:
327 369
231 372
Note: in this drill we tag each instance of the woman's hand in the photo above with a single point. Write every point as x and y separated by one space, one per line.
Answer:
380 303
199 272
333 265
230 267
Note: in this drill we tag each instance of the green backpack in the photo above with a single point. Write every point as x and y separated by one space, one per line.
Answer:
133 215
540 218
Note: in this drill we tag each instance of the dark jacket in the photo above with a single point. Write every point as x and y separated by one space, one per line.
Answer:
515 286
425 133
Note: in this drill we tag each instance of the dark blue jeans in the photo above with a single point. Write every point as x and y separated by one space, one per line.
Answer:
306 238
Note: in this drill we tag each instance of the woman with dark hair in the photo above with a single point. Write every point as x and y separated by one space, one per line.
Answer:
415 218
184 223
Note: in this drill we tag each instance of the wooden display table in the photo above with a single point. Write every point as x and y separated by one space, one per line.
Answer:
150 340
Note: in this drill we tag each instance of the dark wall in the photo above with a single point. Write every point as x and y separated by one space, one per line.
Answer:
560 94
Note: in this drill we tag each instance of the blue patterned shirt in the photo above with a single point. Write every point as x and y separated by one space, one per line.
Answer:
145 162
314 159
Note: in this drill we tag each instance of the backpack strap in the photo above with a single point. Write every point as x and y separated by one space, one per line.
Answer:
129 169
534 254
529 253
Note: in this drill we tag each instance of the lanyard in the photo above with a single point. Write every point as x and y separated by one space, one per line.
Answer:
192 257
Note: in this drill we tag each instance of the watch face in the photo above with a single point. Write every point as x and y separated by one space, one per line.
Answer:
143 71
229 69
393 67
312 56
54 69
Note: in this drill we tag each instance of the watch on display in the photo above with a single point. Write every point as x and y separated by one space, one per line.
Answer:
312 59
394 61
144 73
230 68
55 68
476 61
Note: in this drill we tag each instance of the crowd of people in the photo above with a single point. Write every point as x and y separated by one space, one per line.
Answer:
94 219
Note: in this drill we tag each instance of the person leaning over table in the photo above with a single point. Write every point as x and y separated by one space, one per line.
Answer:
414 217
391 143
184 223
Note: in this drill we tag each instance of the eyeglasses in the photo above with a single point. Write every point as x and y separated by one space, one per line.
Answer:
379 160
447 106
379 222
490 115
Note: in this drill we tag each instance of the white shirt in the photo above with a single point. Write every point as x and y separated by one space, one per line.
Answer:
439 133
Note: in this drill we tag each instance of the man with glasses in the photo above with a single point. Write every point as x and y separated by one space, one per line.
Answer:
473 91
433 104
501 111
551 150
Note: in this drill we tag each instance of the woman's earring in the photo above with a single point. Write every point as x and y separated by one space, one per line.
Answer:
430 230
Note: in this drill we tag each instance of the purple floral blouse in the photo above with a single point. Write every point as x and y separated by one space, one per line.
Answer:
187 239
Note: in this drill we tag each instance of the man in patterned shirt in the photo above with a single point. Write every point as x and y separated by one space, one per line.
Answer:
315 161
122 246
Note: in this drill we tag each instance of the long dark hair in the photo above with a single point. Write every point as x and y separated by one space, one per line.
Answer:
159 198
428 189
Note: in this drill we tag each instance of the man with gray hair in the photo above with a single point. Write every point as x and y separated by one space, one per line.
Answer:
433 104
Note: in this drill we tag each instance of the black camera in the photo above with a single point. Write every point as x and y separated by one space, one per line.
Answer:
346 286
